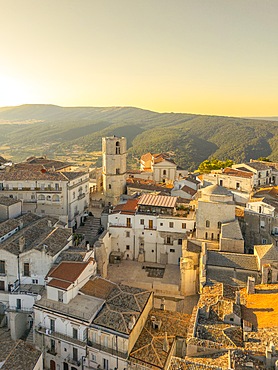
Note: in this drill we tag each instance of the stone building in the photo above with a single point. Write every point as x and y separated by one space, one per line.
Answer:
113 168
46 190
9 208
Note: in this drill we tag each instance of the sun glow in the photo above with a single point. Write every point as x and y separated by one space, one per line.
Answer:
13 91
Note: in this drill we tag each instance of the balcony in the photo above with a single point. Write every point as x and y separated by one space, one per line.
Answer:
73 361
81 196
111 224
55 334
20 309
109 350
52 351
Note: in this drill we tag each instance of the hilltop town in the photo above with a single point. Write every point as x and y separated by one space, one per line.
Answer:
148 268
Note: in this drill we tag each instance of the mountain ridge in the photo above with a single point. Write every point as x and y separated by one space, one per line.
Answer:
192 137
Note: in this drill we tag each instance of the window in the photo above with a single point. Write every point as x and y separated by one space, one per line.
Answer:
73 195
42 186
74 333
35 281
211 236
105 364
60 296
183 225
206 235
164 172
221 182
118 149
127 234
171 224
52 325
52 345
18 304
56 187
172 250
117 171
168 240
26 269
262 224
41 197
55 198
259 175
207 223
19 186
109 186
93 357
2 285
75 354
161 223
260 209
150 224
128 222
2 267
179 241
237 185
219 225
127 247
142 221
65 366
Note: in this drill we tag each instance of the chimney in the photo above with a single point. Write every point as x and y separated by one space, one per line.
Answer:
162 304
166 346
21 243
131 322
251 285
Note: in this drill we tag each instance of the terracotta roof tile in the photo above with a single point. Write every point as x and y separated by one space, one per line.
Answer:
59 284
68 271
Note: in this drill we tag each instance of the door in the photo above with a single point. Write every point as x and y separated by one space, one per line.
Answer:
52 365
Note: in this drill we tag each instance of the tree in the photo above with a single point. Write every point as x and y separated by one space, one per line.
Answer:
214 164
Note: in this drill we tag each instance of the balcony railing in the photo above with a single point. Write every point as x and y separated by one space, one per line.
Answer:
21 309
111 224
109 350
73 361
55 334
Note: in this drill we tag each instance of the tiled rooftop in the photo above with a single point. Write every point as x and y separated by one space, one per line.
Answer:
267 251
122 302
16 355
150 347
233 260
68 271
7 201
37 234
157 200
238 173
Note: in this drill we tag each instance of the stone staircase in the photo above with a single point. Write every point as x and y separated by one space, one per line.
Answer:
91 229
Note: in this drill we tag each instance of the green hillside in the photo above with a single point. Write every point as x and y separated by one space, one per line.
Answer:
192 138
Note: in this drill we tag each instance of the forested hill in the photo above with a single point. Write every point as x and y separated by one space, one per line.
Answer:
192 138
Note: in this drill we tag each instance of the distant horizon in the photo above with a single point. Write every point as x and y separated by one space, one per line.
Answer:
136 107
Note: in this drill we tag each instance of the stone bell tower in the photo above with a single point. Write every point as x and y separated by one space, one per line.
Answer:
113 168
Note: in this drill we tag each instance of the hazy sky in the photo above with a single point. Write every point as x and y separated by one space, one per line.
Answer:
196 56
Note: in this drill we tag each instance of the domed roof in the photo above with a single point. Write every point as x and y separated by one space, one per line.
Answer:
216 190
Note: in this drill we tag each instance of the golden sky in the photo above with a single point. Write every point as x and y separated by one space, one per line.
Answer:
194 56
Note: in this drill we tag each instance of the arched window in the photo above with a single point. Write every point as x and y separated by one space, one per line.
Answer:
118 149
211 236
80 190
56 198
109 186
164 172
219 225
207 223
41 197
206 235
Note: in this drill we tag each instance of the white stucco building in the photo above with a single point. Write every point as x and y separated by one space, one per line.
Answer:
150 229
